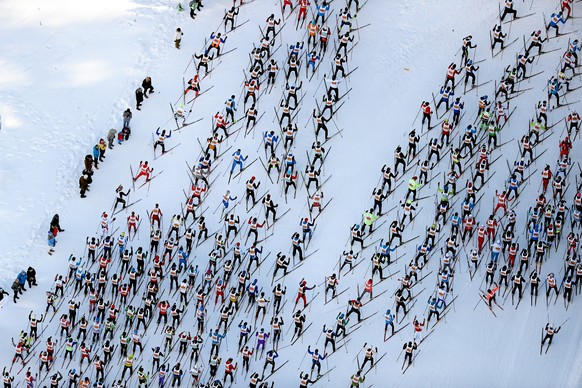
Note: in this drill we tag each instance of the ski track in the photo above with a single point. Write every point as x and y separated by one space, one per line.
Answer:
79 73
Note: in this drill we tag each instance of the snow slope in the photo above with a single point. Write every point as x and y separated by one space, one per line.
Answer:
71 72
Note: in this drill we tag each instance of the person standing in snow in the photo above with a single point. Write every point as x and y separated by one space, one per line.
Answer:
194 5
2 293
31 277
147 86
138 98
83 185
111 137
102 147
55 225
178 38
16 289
96 156
127 115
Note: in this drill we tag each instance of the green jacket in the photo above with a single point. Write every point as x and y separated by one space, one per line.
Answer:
413 185
369 218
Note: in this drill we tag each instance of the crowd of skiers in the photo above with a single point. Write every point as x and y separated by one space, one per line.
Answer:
110 294
132 295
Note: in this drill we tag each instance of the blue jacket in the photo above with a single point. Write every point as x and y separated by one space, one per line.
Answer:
241 158
232 104
216 338
272 138
321 10
21 278
558 18
458 110
386 247
222 40
314 359
51 239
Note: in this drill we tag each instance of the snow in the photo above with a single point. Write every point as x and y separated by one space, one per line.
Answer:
69 71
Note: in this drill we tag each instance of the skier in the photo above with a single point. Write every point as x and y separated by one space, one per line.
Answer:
332 283
215 41
388 321
555 19
301 292
355 305
316 358
550 331
238 160
229 17
426 114
536 41
271 23
144 170
498 37
509 10
409 348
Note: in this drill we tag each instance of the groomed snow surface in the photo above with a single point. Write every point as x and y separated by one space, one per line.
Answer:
70 69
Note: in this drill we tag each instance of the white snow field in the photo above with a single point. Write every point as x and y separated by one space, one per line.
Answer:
69 70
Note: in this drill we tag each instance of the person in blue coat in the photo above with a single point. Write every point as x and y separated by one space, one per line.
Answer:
316 359
216 338
52 241
554 20
96 154
237 160
322 10
21 280
231 107
389 321
553 90
183 255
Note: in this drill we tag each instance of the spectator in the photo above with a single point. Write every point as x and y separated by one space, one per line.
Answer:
31 277
21 280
